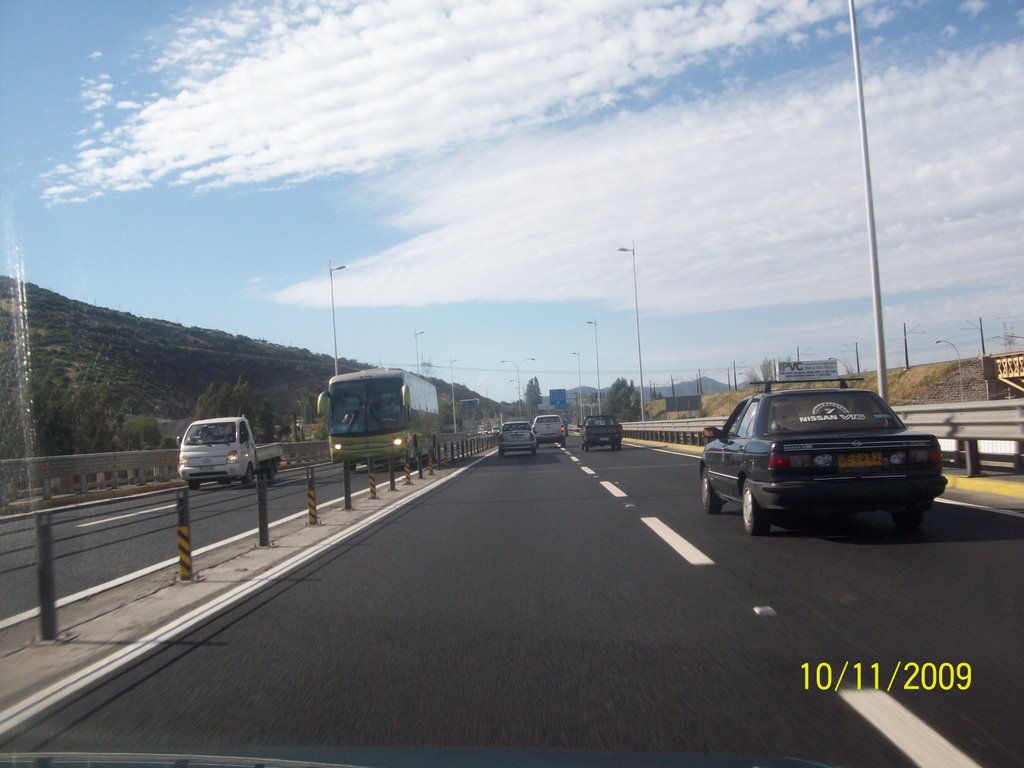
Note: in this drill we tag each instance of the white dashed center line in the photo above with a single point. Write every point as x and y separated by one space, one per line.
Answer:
613 489
690 553
916 739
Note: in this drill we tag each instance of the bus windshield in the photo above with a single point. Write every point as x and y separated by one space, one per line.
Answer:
367 407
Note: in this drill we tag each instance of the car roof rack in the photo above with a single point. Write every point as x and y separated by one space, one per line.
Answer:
843 382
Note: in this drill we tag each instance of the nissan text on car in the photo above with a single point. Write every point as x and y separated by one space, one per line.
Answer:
829 451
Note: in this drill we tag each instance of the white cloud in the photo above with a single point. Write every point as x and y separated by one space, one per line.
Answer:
294 90
715 194
973 7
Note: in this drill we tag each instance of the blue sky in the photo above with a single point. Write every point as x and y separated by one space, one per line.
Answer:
477 166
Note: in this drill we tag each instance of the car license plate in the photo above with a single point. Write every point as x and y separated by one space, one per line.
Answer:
860 460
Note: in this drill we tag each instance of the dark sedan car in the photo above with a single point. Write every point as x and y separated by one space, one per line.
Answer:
828 450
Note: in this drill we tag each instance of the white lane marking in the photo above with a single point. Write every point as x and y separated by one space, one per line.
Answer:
574 458
764 610
612 489
130 514
588 470
690 553
17 618
38 702
915 738
1010 512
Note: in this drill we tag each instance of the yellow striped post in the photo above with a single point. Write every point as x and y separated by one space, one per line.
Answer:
311 497
372 471
185 572
408 472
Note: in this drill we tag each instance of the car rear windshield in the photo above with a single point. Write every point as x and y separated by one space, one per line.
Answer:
828 412
600 421
515 426
549 419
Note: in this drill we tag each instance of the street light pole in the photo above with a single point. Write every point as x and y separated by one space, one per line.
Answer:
958 366
579 389
451 365
334 323
876 291
636 304
519 383
416 337
597 358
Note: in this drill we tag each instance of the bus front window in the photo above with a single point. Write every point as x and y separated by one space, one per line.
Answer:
367 407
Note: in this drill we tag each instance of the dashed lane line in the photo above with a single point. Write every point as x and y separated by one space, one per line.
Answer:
613 489
685 549
915 738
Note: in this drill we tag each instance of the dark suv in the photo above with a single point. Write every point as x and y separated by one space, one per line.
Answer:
829 450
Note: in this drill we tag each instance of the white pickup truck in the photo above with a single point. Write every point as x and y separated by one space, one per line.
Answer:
223 449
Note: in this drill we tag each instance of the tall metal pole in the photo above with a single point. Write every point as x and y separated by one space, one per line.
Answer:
451 366
334 322
597 357
636 304
416 337
876 291
579 389
519 383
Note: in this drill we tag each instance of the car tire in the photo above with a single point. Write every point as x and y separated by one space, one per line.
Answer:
193 485
247 477
533 452
756 521
909 519
710 500
617 447
501 452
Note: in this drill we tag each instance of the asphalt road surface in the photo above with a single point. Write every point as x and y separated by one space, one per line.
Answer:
584 601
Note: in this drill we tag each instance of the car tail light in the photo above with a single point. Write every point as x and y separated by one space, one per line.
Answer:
925 456
778 460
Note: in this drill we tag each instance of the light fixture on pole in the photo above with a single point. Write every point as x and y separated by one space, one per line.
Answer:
451 366
519 384
597 357
579 389
334 323
876 291
958 368
636 304
416 337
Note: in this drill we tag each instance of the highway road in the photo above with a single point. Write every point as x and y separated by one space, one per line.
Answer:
583 601
97 543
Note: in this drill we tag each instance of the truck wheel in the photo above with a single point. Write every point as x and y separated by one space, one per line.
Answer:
271 471
193 485
756 520
710 500
247 477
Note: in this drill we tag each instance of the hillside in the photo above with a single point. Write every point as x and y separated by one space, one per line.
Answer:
152 367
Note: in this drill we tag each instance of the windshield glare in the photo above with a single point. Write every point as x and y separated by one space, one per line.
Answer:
367 407
209 434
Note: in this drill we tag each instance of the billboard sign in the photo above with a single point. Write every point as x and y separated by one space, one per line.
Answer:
806 370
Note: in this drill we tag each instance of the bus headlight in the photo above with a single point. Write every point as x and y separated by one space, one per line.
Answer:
337 446
397 441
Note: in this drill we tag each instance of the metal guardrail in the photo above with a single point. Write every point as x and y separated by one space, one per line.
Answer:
46 477
966 425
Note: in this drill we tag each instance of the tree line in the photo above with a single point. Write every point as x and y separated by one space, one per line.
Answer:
62 417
